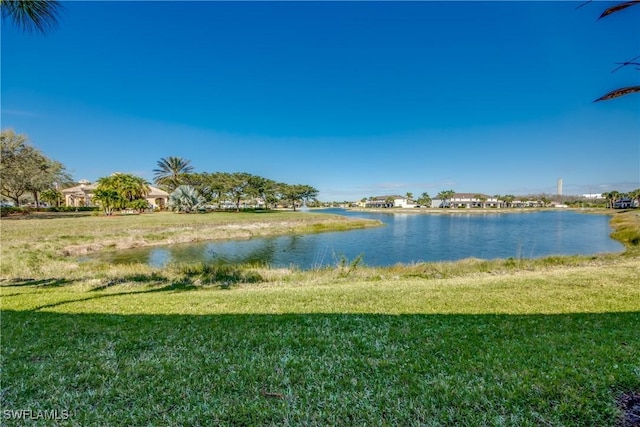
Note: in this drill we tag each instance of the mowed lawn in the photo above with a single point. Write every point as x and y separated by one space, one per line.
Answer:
547 344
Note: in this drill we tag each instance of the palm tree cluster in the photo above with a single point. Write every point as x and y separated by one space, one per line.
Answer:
446 196
120 191
615 196
221 188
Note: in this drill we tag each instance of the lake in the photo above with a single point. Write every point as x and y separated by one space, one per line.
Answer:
405 238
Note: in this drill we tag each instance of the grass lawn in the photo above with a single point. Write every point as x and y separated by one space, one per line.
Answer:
514 342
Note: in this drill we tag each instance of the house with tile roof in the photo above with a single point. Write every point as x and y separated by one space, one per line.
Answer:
82 194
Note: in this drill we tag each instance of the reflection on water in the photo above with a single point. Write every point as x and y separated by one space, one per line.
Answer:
405 238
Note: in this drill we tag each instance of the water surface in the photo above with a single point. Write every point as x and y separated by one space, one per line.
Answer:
405 238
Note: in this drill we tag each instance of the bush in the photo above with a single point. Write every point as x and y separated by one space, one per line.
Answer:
70 209
12 210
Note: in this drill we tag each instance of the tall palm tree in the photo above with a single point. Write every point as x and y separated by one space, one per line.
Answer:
425 199
39 15
171 171
612 197
446 196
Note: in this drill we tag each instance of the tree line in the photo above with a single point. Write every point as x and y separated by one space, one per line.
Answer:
445 196
190 189
26 171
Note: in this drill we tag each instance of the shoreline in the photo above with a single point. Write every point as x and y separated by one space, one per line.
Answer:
477 211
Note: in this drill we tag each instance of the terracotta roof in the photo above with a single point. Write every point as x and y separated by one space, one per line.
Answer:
153 191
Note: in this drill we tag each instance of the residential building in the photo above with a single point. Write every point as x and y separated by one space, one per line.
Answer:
474 200
82 194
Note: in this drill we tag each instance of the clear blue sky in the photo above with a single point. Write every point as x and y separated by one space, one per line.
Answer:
357 99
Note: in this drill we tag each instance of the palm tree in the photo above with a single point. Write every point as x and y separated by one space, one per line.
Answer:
185 199
482 198
108 199
128 187
389 202
612 197
445 196
171 171
39 15
52 196
508 200
425 200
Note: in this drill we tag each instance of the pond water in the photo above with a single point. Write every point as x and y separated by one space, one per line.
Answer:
405 238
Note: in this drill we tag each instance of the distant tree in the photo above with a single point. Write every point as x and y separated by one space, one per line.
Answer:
389 202
297 193
128 186
52 196
508 200
46 174
446 196
409 196
482 198
424 200
24 169
211 186
39 15
307 193
138 204
108 199
185 199
264 188
612 197
119 190
238 187
171 172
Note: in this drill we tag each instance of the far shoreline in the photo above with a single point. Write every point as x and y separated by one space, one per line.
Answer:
476 211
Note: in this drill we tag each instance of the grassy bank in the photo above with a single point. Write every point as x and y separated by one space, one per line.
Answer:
38 246
508 342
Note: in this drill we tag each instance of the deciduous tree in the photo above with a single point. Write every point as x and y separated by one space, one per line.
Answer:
24 168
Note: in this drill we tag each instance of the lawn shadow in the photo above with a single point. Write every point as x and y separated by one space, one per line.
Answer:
42 283
172 287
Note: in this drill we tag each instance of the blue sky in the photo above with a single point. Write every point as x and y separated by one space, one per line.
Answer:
357 99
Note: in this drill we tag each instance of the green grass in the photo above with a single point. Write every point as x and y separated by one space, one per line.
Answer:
60 239
549 342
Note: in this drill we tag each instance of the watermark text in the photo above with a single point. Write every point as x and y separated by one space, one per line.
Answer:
36 414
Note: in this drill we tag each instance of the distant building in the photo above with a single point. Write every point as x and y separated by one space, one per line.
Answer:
380 202
559 186
474 200
392 201
624 203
